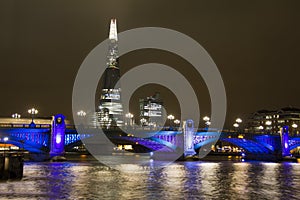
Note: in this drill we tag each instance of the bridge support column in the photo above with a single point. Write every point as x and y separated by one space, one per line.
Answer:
57 142
284 136
188 137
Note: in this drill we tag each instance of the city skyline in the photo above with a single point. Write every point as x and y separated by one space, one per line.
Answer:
255 48
149 99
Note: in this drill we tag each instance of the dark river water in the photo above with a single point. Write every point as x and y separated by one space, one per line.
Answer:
180 180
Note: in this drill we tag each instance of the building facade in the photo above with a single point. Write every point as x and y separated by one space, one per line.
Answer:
271 121
151 111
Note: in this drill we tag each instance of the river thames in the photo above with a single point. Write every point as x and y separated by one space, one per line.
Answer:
180 180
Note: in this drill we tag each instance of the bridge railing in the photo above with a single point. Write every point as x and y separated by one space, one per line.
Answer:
126 128
10 125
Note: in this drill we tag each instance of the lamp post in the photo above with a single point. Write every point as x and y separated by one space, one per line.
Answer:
170 118
177 122
207 122
238 120
206 118
81 113
143 121
236 125
33 112
129 116
16 116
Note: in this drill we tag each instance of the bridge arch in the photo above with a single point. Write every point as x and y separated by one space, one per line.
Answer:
33 148
294 142
294 146
153 144
249 146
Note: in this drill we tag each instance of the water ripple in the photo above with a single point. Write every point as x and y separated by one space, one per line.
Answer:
182 180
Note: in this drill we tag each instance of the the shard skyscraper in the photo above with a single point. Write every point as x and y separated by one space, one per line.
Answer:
110 111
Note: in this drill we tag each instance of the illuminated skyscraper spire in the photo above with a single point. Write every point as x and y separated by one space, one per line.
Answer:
110 111
113 45
113 33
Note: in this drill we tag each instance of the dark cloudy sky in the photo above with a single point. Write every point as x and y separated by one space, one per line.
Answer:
255 44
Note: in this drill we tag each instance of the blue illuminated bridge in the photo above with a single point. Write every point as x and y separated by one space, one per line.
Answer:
57 138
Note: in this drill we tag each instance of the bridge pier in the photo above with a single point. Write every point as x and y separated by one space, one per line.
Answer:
284 136
11 165
57 141
188 138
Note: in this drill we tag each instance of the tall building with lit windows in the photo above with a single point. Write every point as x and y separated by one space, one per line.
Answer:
110 110
151 111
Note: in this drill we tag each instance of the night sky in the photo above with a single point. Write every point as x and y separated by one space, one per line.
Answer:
255 45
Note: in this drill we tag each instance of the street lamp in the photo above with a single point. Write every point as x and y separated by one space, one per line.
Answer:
208 123
177 121
206 118
238 120
16 116
237 123
143 121
129 116
170 118
81 113
33 112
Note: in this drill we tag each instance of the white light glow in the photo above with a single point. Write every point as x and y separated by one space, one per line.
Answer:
206 118
294 125
268 123
236 125
171 117
239 120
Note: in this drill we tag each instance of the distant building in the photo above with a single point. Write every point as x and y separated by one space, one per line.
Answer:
270 121
151 111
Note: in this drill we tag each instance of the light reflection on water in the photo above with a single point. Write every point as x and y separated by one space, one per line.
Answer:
181 180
